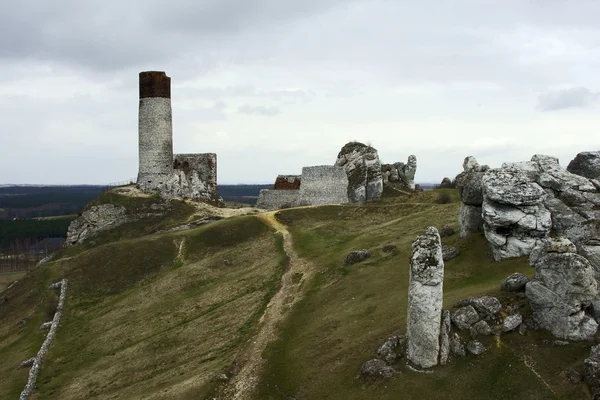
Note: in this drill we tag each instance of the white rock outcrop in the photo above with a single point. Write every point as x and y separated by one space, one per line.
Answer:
93 221
363 168
563 288
401 173
425 296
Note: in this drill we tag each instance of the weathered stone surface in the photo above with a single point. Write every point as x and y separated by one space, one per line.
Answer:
563 288
363 168
194 177
425 295
445 337
376 369
476 348
586 164
591 367
93 221
401 173
512 322
480 328
388 350
271 199
487 307
323 184
456 345
449 252
511 186
465 317
469 219
356 256
514 282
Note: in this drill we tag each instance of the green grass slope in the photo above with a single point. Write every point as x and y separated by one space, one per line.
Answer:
351 310
162 316
159 317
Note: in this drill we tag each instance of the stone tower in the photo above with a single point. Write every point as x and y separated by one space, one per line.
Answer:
155 130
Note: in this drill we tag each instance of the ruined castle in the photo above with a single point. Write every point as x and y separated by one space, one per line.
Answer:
170 175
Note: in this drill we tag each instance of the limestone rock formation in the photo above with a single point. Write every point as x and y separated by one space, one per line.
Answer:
514 282
469 185
480 328
93 221
363 168
523 202
465 317
512 322
564 286
445 337
592 371
425 299
476 348
387 350
375 369
456 345
401 173
586 164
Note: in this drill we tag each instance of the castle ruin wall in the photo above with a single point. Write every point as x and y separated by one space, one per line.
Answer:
323 184
271 199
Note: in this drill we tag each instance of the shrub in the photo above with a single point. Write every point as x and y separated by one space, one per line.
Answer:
444 198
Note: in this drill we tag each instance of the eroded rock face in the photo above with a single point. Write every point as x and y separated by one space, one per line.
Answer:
523 202
93 221
445 338
425 299
401 173
564 286
592 371
512 322
514 282
469 185
586 164
362 165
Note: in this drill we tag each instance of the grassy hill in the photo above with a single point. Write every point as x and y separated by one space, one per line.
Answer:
172 315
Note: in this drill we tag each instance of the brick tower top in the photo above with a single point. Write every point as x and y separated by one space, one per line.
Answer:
155 84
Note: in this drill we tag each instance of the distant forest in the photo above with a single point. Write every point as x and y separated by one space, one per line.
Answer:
241 193
27 202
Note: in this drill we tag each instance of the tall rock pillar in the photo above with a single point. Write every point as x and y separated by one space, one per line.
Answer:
425 294
155 130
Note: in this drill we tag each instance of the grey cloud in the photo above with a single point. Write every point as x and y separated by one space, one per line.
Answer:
215 112
264 111
567 98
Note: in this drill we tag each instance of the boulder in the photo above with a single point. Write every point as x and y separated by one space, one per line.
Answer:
591 367
487 307
512 322
387 350
586 164
514 282
448 252
476 348
563 288
480 328
356 256
465 317
425 295
362 165
376 369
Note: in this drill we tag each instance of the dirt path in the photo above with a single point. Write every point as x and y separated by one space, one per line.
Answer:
293 286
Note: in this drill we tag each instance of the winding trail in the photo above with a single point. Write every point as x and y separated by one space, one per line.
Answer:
293 286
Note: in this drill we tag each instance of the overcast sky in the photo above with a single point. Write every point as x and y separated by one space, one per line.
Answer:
274 85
